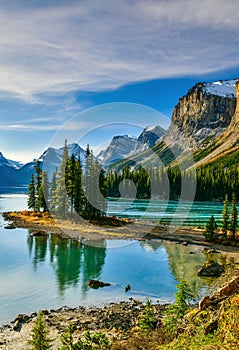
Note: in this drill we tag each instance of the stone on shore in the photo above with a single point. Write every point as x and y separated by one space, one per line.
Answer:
211 269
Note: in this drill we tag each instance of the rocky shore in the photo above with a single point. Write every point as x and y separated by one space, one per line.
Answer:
116 320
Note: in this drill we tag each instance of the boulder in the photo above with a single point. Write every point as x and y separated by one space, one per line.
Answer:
38 234
211 269
95 284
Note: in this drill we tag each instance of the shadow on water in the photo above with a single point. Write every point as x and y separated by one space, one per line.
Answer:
71 261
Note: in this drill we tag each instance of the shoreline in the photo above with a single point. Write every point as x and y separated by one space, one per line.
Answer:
123 229
116 319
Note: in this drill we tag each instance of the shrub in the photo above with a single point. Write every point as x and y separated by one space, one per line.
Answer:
39 334
147 322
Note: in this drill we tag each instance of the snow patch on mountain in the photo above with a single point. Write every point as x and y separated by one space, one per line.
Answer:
224 88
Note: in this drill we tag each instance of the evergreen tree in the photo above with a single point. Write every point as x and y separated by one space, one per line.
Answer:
53 194
211 227
39 334
45 191
234 217
32 194
61 192
225 217
70 178
39 192
78 190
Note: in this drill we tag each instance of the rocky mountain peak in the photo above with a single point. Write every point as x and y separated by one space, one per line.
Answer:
150 135
203 113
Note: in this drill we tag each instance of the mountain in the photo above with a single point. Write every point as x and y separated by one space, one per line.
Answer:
202 114
8 172
15 164
225 148
150 135
205 124
50 160
125 146
119 148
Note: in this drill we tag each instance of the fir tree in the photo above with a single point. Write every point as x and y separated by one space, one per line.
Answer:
61 193
53 194
39 191
78 190
39 334
234 217
45 191
211 227
32 194
225 217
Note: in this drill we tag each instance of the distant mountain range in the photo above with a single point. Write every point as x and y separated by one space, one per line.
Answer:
15 174
125 146
205 120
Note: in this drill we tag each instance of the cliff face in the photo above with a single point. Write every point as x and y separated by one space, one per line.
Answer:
234 125
203 113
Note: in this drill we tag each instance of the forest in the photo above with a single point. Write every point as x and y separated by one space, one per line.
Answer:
83 190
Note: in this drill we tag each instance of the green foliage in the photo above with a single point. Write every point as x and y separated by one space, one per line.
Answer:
31 203
211 227
71 191
39 334
95 341
234 217
175 312
147 322
196 335
225 217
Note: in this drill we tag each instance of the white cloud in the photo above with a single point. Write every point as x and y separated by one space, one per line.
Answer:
102 45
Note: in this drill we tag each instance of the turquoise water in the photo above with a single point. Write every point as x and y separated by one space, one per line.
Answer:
49 272
171 212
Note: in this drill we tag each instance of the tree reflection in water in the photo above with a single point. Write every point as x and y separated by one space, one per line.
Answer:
72 261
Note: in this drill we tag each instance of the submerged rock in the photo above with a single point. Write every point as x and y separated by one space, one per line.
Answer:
95 284
38 234
211 269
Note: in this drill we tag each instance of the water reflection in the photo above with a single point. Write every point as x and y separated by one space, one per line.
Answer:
184 263
71 261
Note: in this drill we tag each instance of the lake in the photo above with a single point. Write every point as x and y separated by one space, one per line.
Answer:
49 272
171 212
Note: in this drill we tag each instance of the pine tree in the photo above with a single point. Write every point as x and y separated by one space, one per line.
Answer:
78 190
211 227
39 191
234 217
225 217
70 177
32 194
61 193
39 334
45 191
53 194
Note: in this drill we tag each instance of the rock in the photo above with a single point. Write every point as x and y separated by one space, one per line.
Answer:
212 326
212 251
127 288
10 227
185 243
16 325
204 303
38 234
95 284
200 116
230 288
211 269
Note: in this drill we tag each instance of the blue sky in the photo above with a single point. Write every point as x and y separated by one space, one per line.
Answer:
58 58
